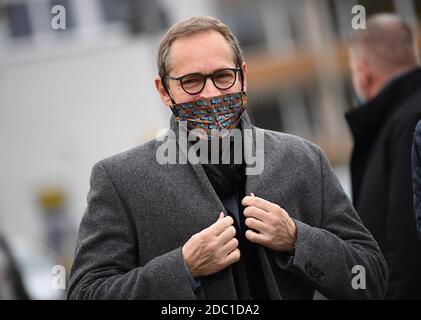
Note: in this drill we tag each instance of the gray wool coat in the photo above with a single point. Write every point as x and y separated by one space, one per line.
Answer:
140 213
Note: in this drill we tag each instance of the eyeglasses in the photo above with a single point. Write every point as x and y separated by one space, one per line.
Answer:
193 83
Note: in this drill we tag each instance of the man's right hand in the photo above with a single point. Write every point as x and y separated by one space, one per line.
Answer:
212 249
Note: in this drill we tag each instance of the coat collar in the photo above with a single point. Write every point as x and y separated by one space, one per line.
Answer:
365 121
245 124
200 172
249 148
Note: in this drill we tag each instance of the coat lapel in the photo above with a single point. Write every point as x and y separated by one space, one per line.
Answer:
211 285
252 184
210 193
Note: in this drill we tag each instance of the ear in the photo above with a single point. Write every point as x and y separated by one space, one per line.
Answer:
365 78
244 67
162 93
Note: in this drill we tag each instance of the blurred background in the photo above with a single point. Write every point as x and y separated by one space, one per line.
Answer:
69 98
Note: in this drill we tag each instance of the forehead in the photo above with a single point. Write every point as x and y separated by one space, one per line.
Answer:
200 52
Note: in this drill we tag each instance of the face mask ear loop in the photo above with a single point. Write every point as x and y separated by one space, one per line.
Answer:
164 84
242 79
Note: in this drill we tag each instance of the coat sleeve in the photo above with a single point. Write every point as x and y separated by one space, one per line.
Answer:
340 259
106 259
416 176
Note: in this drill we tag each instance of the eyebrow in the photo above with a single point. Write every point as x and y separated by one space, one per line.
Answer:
220 68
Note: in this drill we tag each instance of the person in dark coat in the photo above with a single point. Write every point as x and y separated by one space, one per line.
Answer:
387 79
416 175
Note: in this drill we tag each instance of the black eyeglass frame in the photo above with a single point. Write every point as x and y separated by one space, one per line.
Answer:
206 76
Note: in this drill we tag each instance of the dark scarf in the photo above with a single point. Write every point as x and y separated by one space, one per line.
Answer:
226 179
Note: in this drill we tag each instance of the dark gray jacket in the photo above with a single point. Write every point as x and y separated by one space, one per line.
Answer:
140 214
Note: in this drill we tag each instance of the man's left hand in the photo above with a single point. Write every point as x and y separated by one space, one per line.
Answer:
269 224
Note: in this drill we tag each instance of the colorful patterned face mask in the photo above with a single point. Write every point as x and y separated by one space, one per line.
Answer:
221 112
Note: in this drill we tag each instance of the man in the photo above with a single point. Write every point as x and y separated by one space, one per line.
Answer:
156 230
387 78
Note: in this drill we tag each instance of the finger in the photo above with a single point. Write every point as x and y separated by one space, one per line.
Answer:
230 246
252 194
232 257
255 237
255 212
220 225
221 216
257 225
258 202
226 235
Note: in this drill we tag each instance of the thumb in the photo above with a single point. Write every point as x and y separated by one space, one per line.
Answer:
221 216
